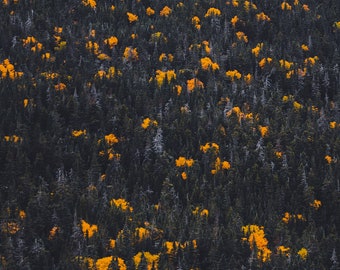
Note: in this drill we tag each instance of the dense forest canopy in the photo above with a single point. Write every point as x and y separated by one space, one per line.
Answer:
188 134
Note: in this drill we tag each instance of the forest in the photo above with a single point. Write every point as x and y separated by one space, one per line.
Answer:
193 134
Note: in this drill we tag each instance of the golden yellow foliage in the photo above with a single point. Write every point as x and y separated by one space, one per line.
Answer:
263 130
111 41
316 204
111 139
165 12
212 12
130 54
241 36
303 253
233 74
78 133
283 250
149 11
121 204
60 86
132 17
194 83
262 17
329 159
87 229
256 239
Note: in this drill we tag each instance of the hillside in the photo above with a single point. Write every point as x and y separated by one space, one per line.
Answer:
169 135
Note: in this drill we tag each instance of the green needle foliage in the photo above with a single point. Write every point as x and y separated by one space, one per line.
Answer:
169 135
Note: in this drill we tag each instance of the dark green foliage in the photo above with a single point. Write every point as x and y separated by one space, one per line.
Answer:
53 178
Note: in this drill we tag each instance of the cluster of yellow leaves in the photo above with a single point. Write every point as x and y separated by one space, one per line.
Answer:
278 154
333 124
233 74
101 263
10 227
234 20
149 11
47 56
12 138
256 51
248 78
92 46
304 47
240 115
289 217
109 74
206 46
131 17
31 41
184 175
263 130
249 5
220 165
178 89
7 70
162 75
110 139
90 3
337 25
242 36
172 247
286 6
265 61
60 86
158 36
104 263
112 243
151 260
255 236
329 159
142 233
193 84
283 250
87 229
207 64
49 75
287 98
61 44
303 253
182 161
196 22
166 57
210 145
297 106
285 64
200 212
130 54
111 154
22 214
147 122
311 61
6 2
78 133
53 232
212 12
165 12
262 17
121 204
316 204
